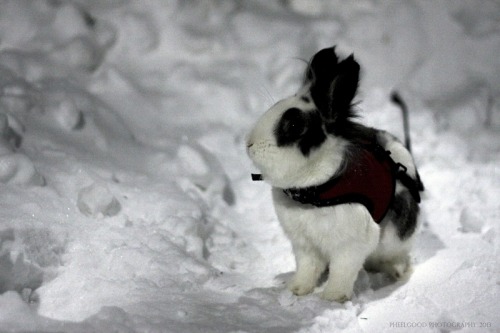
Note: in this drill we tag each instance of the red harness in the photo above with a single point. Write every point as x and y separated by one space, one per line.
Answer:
368 178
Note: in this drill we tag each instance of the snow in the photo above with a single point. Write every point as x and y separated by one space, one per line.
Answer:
126 203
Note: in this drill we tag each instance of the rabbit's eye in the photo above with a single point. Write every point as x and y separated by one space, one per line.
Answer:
291 126
300 128
294 122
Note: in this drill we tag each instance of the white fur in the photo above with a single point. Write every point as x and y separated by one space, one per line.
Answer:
342 237
286 167
392 253
338 236
399 153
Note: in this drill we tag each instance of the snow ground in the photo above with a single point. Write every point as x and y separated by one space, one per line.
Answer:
125 198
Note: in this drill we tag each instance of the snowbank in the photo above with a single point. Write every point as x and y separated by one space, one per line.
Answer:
125 198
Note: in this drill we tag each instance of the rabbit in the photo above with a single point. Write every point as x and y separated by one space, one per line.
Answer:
346 195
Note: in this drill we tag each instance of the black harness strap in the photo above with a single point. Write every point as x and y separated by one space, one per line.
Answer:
370 179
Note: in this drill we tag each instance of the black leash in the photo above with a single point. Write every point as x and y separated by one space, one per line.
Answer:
396 99
418 186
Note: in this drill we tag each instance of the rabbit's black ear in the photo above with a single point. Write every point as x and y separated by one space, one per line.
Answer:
333 84
322 66
342 90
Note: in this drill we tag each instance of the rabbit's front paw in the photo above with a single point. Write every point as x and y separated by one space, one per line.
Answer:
335 295
301 287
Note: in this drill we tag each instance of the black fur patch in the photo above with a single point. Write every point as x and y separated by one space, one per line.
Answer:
301 128
405 210
322 66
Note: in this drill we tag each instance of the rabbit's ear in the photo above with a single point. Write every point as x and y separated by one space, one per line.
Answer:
342 91
322 66
333 84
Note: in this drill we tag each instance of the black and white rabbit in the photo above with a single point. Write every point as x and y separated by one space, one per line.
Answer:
345 194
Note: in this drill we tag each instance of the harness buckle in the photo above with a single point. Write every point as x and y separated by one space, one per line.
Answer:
400 167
